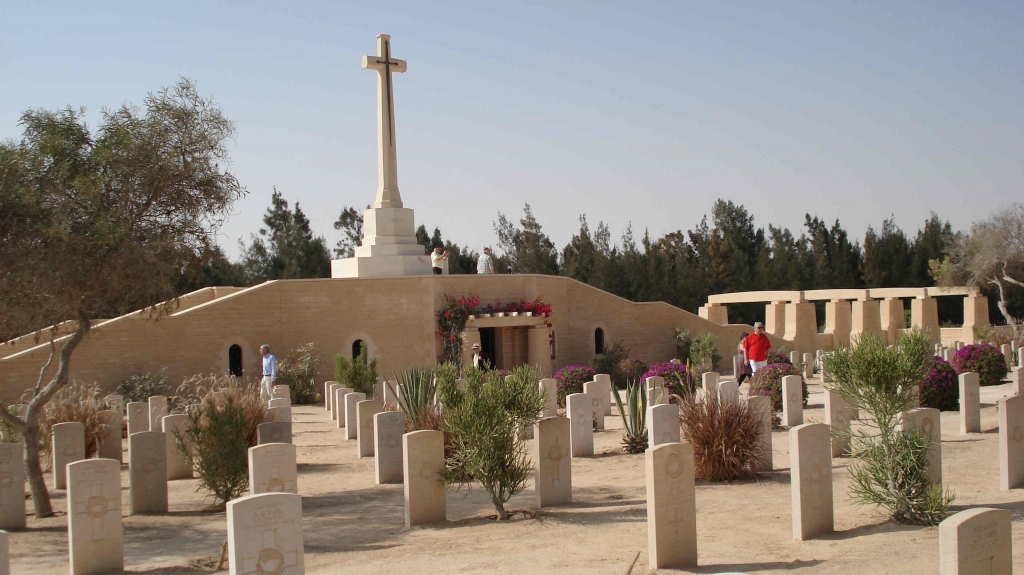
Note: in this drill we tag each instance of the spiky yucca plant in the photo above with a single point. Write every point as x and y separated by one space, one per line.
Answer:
416 392
634 417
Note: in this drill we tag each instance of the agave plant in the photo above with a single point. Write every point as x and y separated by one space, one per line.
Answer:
416 392
634 417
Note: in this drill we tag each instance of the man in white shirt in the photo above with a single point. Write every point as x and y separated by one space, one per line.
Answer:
485 265
439 260
269 372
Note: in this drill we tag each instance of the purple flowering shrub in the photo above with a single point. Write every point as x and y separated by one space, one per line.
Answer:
675 377
631 369
768 381
940 387
571 379
778 357
984 359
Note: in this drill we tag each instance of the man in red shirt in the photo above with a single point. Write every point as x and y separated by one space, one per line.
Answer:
757 346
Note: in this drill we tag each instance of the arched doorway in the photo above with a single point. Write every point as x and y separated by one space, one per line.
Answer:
356 348
599 341
235 360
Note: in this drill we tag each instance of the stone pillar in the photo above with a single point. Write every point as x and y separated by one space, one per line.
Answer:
792 400
926 420
422 466
970 403
838 321
924 314
811 480
662 424
671 506
978 541
1011 442
802 326
761 404
538 349
715 313
552 461
975 315
775 318
865 318
891 317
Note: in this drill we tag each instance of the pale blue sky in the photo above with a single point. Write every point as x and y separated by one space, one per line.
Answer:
637 112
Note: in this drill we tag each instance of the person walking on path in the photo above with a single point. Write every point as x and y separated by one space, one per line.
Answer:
485 265
756 346
439 260
740 363
269 372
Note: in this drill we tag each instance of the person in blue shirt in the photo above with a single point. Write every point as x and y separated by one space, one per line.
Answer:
269 372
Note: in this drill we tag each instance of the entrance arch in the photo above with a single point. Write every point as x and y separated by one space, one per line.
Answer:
235 360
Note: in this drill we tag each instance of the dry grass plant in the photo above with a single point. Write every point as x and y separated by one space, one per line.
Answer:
78 402
726 436
221 388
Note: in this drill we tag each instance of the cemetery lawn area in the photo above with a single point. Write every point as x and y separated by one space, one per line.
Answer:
351 525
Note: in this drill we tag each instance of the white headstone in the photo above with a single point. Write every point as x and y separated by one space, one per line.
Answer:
422 467
761 404
792 400
390 394
265 535
1011 442
95 536
328 394
349 409
970 403
728 391
273 469
549 389
579 408
68 446
811 480
976 542
927 421
388 429
157 410
1007 354
365 411
110 439
115 402
147 472
339 405
12 486
279 402
378 391
709 383
138 417
282 392
274 432
552 461
5 554
671 506
808 366
662 424
1017 379
283 413
605 393
837 415
177 463
594 390
794 357
656 391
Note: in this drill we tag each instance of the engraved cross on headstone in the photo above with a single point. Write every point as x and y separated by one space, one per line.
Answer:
271 558
387 156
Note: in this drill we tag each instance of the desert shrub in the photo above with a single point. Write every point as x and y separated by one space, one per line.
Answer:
677 379
940 387
634 416
142 386
778 356
631 369
986 360
891 466
683 344
298 369
485 424
726 436
218 389
78 402
768 381
704 355
359 374
416 391
571 379
608 363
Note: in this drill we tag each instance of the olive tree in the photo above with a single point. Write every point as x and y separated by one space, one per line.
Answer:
98 223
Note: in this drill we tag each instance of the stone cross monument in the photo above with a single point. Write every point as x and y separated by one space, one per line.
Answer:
389 247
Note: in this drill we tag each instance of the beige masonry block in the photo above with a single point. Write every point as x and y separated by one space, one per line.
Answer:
110 441
138 417
970 403
349 411
177 463
976 542
12 486
147 472
95 535
671 506
273 469
68 447
927 421
388 429
157 410
579 409
662 424
274 432
761 404
792 400
549 389
552 462
594 389
811 480
265 535
1011 442
423 464
365 411
838 414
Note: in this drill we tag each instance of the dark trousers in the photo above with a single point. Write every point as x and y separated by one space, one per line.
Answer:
437 271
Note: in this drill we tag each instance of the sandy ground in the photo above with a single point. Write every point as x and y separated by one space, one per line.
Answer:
353 526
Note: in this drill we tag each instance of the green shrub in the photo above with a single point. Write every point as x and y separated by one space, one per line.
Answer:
415 390
768 381
634 416
630 369
486 424
683 344
298 369
142 386
359 374
704 353
609 361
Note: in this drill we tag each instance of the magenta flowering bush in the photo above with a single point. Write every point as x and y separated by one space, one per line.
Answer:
777 357
631 369
675 374
571 379
984 359
768 381
940 387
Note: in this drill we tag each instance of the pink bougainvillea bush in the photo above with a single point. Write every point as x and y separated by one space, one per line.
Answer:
984 359
677 379
940 387
768 381
571 379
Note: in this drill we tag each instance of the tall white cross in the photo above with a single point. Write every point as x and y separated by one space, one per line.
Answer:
387 156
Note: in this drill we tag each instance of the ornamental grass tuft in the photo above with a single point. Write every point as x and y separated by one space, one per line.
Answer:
725 435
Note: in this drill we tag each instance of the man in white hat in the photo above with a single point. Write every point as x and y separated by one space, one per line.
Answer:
478 359
757 346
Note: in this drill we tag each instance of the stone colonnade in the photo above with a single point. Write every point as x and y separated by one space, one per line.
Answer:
850 313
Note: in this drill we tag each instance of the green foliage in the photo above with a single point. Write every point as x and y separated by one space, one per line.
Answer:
486 425
298 369
883 381
142 386
527 250
704 353
683 343
634 416
8 434
630 369
446 375
451 320
415 390
608 363
768 381
286 248
350 224
214 443
359 374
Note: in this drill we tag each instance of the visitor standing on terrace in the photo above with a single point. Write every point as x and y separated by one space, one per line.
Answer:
757 345
485 265
269 372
